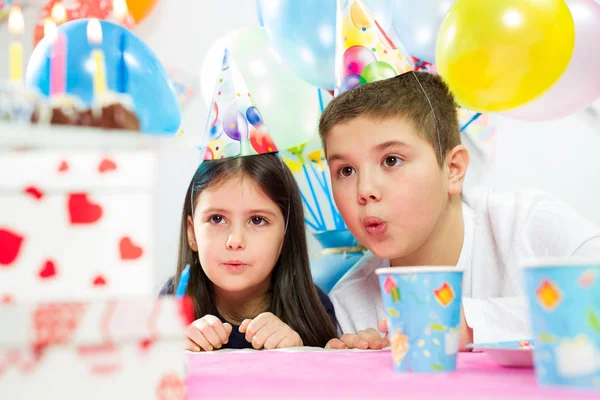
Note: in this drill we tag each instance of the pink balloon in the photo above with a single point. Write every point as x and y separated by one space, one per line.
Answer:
356 58
579 86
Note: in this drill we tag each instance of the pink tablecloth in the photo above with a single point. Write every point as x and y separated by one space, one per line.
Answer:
356 375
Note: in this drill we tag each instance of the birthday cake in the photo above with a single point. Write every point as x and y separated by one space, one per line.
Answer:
114 111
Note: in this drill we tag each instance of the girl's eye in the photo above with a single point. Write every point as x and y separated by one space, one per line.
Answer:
216 219
345 171
392 161
258 221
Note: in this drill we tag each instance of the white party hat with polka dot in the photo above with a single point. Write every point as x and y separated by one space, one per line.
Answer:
235 126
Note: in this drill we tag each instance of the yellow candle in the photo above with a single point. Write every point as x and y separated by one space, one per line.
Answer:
100 75
15 57
16 25
94 34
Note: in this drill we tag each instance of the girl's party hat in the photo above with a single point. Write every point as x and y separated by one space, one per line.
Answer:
235 126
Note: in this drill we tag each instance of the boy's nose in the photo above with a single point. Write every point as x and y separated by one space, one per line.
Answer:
368 192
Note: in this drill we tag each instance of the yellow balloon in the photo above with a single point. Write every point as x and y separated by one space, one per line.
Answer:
498 55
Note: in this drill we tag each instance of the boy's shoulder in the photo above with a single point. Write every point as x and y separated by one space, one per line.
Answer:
361 273
531 218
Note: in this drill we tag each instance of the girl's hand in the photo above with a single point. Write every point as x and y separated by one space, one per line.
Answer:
367 339
269 332
207 333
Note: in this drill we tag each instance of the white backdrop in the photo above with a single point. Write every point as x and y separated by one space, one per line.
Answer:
562 156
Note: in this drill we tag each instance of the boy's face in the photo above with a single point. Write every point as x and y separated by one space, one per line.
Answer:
387 184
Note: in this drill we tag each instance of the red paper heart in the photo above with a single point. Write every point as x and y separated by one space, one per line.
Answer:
34 192
48 270
82 210
63 166
6 298
10 246
129 251
145 344
107 165
99 281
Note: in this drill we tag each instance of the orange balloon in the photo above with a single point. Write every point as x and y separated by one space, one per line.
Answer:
139 9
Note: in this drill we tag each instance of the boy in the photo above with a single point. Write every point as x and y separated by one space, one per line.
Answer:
397 168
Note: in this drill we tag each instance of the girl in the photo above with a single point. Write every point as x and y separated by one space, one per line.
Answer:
242 233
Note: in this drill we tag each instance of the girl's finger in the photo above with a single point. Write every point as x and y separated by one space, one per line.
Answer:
208 331
219 329
273 341
191 345
194 334
244 325
255 326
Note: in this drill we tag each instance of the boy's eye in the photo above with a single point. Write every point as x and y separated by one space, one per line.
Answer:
345 171
216 219
258 221
392 161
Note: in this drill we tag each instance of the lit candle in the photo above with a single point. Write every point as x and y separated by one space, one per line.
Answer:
120 11
58 58
94 35
16 25
59 13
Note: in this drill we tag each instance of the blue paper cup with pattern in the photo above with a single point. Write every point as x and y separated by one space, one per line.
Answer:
423 306
564 304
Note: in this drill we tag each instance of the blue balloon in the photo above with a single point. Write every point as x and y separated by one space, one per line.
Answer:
304 31
417 25
131 67
254 117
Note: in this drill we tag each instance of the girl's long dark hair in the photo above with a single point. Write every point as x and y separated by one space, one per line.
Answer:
294 298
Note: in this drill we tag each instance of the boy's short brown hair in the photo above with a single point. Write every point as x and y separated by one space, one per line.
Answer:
401 97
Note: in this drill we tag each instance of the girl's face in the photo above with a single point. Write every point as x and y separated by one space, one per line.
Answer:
237 231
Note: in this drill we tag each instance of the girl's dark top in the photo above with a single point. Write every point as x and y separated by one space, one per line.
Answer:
237 340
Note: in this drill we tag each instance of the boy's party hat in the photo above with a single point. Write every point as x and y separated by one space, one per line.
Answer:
364 53
235 126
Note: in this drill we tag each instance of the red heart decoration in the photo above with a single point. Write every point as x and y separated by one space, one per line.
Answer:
63 166
107 165
146 343
6 298
48 270
129 251
34 192
99 281
82 210
10 246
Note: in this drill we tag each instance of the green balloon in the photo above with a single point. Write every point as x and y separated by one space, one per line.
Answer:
378 71
289 106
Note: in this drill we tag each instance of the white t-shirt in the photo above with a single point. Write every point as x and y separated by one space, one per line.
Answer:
501 232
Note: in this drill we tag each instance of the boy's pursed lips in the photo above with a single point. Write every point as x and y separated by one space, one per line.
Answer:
375 226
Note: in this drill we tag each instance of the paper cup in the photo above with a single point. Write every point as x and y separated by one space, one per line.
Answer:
422 305
564 303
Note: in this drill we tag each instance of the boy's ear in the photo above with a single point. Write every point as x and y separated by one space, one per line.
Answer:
191 234
458 161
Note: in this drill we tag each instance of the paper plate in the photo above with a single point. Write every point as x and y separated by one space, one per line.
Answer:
517 354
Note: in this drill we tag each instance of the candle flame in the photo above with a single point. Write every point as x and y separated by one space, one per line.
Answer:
120 10
16 25
59 13
50 29
94 32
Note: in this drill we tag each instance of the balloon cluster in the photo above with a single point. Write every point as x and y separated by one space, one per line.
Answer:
526 59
